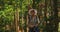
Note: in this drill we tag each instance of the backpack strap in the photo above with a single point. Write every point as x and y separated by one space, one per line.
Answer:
29 18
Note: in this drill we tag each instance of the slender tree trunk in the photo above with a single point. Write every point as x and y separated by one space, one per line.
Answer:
56 15
16 20
33 5
45 17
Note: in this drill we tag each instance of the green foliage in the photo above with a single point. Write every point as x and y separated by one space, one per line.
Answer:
8 7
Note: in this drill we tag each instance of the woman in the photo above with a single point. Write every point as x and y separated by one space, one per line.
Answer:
33 21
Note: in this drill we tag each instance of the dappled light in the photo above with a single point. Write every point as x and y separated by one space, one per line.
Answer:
29 15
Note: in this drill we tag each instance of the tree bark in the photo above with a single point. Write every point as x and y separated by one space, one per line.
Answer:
56 15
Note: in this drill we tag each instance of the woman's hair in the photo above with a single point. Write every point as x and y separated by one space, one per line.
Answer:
32 10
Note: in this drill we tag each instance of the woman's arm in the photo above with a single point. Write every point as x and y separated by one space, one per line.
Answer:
38 19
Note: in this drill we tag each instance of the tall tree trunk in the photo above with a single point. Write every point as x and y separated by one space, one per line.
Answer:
33 5
16 20
55 15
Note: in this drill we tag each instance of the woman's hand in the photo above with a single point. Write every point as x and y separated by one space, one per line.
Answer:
30 25
36 25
